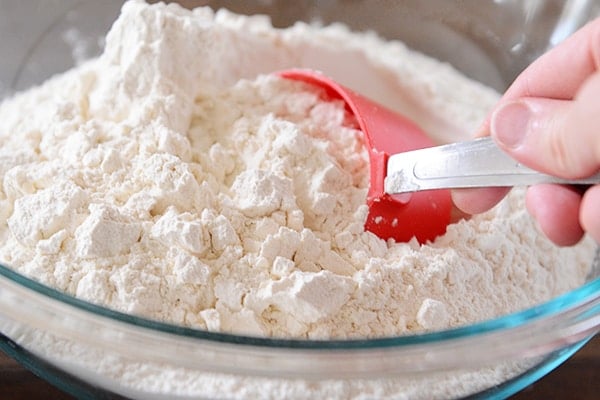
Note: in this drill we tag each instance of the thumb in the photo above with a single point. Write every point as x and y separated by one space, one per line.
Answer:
558 137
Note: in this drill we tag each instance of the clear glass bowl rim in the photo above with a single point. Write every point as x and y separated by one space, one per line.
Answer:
587 296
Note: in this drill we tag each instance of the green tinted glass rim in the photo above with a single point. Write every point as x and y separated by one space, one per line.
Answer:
586 292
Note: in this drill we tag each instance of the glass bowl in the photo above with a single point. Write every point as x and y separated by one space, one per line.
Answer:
492 359
61 338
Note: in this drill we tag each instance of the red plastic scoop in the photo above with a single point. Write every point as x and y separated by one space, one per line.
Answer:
423 214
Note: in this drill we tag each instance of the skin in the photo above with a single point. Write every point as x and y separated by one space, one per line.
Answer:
549 120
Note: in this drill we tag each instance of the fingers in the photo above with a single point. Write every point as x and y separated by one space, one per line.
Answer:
475 201
549 120
589 214
558 137
556 209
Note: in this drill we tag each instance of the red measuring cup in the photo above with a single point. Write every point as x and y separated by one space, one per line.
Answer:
425 214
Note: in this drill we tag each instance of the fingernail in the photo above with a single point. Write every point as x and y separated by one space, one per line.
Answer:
510 123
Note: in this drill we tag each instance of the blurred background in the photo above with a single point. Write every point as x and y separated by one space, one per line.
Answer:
489 40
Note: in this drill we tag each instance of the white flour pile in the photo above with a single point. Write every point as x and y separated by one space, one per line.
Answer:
156 181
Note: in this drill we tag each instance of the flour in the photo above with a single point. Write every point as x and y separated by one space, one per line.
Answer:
176 179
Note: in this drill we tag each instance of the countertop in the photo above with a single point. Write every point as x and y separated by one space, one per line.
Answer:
578 379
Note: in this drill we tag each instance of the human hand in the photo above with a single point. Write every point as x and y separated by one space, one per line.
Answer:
549 120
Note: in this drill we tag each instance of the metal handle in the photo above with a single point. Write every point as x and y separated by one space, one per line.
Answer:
476 163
